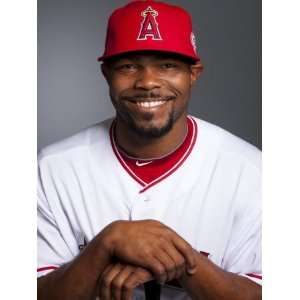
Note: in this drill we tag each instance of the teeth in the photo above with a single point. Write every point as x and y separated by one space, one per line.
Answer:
150 104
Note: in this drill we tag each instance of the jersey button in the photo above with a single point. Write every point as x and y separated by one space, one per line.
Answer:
145 198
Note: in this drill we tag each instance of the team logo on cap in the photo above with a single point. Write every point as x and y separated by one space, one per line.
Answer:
149 26
193 42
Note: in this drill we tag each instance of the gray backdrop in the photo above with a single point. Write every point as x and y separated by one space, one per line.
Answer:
72 93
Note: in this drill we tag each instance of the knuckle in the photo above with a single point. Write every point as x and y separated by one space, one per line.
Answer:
170 233
106 282
147 253
159 270
184 244
161 239
128 286
180 262
116 285
170 265
158 224
169 230
186 247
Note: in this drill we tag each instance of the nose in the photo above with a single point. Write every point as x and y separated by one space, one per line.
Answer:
148 79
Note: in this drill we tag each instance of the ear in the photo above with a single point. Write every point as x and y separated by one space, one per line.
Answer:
196 71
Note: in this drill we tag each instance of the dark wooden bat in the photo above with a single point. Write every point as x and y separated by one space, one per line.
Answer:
152 290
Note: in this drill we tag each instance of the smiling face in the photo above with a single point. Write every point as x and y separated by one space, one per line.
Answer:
150 91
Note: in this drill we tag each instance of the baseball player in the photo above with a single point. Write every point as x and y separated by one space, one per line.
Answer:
154 194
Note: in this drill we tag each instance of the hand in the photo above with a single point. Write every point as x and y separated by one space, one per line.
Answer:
153 246
118 281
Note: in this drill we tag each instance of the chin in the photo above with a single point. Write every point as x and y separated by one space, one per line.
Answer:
151 129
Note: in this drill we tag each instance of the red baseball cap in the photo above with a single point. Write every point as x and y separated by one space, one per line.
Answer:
150 25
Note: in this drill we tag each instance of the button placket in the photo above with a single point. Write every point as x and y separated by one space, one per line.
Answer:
141 208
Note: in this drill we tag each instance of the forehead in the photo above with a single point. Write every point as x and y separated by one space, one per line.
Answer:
144 56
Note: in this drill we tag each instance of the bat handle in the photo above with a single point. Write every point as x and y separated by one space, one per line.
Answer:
152 290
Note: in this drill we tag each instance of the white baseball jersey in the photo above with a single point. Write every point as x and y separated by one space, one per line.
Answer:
211 198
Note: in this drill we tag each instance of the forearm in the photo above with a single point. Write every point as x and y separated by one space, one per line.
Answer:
78 279
212 283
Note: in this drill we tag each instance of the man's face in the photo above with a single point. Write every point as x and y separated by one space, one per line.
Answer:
150 91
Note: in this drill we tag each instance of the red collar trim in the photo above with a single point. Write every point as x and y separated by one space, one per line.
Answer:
164 175
119 156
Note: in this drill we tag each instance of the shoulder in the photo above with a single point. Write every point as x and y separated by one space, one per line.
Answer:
234 164
78 144
224 145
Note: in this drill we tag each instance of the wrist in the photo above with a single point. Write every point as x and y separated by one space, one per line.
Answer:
108 237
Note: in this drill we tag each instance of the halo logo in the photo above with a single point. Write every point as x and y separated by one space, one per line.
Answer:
193 42
149 26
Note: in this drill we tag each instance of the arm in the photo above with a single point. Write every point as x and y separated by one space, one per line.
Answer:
242 254
78 279
145 243
212 283
77 273
149 244
208 283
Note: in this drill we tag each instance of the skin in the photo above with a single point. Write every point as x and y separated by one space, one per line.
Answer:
148 244
146 77
119 280
209 282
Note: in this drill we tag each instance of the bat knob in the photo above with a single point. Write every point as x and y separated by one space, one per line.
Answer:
152 290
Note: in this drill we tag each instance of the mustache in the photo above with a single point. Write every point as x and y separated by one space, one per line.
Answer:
148 96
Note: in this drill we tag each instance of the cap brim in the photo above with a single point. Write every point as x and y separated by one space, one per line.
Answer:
193 58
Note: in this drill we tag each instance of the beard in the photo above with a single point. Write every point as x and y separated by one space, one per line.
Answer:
151 131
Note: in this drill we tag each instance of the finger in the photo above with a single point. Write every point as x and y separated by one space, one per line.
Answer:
118 282
158 269
169 266
136 278
187 251
101 279
154 265
177 258
106 280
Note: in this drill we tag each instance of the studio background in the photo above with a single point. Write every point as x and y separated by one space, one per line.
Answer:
72 93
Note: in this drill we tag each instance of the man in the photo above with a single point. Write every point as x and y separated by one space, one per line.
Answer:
153 194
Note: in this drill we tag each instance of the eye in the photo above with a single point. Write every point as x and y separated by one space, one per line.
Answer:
127 67
169 65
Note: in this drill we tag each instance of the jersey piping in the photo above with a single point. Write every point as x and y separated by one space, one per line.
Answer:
42 269
179 161
254 275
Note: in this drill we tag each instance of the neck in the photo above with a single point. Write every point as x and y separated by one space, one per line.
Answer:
145 148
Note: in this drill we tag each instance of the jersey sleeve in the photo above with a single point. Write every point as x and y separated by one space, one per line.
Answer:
243 255
55 246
